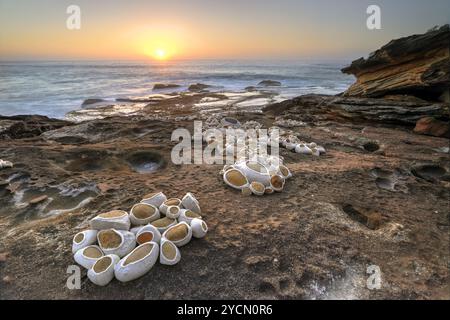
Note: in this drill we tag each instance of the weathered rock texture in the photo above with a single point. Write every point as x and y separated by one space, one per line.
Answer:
418 65
357 110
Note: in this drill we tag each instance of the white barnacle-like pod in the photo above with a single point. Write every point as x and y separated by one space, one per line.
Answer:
102 272
87 256
163 224
257 188
148 233
135 230
302 149
173 212
321 149
116 219
315 152
137 263
169 202
5 164
187 216
235 178
169 254
83 239
269 190
190 202
311 145
255 171
143 213
180 234
117 242
155 199
284 171
199 228
277 183
246 191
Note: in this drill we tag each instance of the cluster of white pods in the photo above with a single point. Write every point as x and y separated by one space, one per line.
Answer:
258 176
126 245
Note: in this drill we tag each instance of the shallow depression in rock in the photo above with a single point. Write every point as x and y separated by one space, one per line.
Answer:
145 161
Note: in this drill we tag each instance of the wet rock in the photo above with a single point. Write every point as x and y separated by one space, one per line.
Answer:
88 102
429 172
159 86
198 87
3 257
433 127
417 65
269 83
19 127
251 89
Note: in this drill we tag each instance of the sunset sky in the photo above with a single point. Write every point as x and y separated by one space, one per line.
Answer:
208 29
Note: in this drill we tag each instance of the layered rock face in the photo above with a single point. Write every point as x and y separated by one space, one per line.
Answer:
417 65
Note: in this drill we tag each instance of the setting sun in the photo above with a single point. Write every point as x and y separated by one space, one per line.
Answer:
160 54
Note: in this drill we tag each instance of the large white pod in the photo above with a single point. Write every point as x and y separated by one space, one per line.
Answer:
83 239
303 149
116 219
173 212
143 213
169 254
235 178
180 234
187 216
169 202
255 171
148 233
87 256
191 203
199 228
102 272
155 199
138 262
117 242
163 224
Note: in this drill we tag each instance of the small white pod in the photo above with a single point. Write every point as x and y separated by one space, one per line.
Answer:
155 199
235 178
321 149
191 203
173 212
143 213
148 233
137 263
277 183
169 254
257 188
180 234
87 256
199 228
163 224
116 219
269 190
169 202
83 239
117 242
284 171
315 152
290 146
302 149
187 216
311 145
102 272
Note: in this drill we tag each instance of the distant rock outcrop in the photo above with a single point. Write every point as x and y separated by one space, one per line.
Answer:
198 87
160 86
269 83
417 65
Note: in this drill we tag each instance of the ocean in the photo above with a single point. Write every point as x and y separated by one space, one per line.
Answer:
53 88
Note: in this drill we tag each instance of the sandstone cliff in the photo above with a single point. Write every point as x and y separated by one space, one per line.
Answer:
417 65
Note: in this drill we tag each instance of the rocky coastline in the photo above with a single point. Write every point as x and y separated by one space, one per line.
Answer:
379 196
